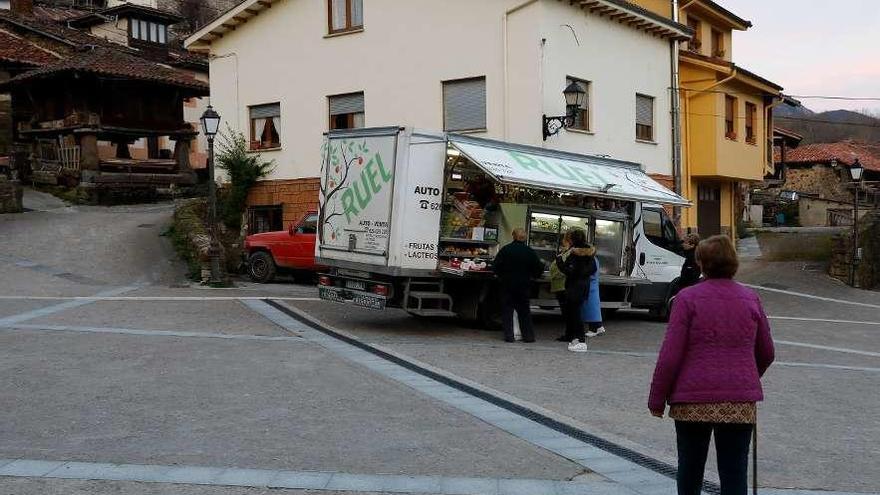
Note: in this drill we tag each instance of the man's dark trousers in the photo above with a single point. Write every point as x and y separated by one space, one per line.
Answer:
517 300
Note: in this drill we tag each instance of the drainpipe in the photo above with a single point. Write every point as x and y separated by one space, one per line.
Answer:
676 115
505 40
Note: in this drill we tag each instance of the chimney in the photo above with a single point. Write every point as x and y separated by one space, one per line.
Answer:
21 7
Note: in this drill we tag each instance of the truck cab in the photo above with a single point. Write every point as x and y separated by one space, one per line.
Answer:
658 259
291 250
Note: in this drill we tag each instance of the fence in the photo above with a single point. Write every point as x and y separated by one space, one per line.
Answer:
52 156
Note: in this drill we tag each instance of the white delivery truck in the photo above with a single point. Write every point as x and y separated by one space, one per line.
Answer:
412 219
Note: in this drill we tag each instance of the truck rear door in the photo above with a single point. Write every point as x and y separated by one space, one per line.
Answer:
357 181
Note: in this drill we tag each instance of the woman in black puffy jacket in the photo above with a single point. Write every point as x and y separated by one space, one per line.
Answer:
577 267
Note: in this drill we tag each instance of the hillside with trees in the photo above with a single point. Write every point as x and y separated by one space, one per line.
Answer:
830 126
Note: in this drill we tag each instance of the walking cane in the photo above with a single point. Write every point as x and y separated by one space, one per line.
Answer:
755 459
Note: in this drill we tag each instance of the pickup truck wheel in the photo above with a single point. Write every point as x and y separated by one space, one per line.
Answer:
261 267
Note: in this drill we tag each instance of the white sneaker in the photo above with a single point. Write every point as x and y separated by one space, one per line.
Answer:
600 330
590 334
573 343
579 347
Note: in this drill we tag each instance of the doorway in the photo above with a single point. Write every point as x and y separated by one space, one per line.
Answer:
708 210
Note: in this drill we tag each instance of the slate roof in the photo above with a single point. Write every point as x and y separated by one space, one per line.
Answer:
109 62
845 152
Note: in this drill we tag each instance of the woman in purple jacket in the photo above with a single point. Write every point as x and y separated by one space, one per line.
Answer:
716 349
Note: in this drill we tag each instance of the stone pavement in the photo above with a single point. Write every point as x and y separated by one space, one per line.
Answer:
118 377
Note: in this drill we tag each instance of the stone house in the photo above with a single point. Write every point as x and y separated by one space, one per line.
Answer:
129 113
819 174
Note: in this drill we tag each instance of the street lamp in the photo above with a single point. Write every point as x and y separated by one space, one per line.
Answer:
210 125
855 172
575 96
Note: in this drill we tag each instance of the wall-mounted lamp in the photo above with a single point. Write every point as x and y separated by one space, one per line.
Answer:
575 96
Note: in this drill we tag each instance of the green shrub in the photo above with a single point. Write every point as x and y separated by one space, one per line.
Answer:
188 221
243 168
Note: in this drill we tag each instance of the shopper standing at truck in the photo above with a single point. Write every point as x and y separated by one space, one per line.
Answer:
516 265
591 311
578 266
557 284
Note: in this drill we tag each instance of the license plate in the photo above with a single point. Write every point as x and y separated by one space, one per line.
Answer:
369 301
355 285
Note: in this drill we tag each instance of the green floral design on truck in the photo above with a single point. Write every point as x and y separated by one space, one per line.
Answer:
341 160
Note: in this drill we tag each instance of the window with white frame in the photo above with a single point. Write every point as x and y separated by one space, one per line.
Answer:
464 104
644 117
265 126
148 31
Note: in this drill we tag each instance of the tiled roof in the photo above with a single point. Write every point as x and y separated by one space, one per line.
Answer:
21 50
56 13
176 56
718 8
845 152
124 10
109 62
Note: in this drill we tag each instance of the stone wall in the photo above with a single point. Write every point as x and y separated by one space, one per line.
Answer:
10 196
820 180
296 196
868 270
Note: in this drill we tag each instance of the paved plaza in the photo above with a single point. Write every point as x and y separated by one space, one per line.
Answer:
118 376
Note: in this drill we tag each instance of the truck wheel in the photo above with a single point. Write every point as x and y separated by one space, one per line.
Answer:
261 267
662 311
608 313
489 314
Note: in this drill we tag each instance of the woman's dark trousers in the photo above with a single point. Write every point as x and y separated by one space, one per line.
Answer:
563 309
574 326
732 442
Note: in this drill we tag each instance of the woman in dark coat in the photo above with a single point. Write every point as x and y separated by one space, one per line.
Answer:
578 266
690 271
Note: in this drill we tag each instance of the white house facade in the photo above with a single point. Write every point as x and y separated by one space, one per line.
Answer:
283 72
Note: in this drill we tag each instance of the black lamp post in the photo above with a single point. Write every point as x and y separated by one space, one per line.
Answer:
855 172
210 125
575 96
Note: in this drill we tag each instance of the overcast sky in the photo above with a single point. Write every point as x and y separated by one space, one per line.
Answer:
813 47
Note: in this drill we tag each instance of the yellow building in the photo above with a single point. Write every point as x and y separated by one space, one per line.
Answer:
726 118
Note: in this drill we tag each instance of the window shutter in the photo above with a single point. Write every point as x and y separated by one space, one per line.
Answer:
644 110
464 104
266 111
345 104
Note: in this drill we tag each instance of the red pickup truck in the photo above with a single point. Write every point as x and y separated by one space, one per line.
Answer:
290 250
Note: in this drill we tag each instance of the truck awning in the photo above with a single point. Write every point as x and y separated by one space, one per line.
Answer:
564 172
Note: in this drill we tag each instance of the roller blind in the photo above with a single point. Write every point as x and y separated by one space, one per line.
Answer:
464 104
644 110
266 111
345 104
